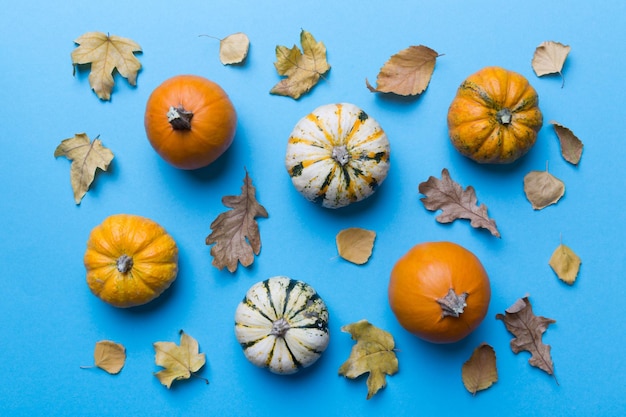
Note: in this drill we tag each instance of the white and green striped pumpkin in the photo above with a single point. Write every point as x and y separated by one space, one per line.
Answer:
337 155
282 325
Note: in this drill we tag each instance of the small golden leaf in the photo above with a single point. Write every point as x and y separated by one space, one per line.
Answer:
565 263
234 48
109 356
355 244
549 58
180 361
480 372
543 189
571 146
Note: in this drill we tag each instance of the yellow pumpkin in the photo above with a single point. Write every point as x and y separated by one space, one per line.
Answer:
495 116
130 260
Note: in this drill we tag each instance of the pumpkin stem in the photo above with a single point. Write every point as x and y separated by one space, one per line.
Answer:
124 263
179 118
504 116
452 304
280 327
341 154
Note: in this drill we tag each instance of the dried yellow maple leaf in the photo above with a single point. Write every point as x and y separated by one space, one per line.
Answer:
406 73
355 244
480 372
565 263
86 157
107 53
571 146
549 58
302 69
109 356
180 361
373 353
543 189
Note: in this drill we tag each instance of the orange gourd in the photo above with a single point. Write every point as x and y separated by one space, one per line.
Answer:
495 116
439 291
190 121
130 260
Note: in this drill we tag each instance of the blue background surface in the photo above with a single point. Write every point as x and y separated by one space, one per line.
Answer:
50 321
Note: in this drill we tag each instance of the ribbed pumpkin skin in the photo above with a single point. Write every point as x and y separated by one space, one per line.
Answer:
495 116
425 274
337 155
213 123
287 305
154 260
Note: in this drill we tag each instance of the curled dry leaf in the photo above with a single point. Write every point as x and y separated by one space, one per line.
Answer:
180 361
109 356
406 73
528 329
301 69
234 48
480 372
571 146
373 353
549 58
235 232
543 189
565 263
107 53
456 203
86 157
355 244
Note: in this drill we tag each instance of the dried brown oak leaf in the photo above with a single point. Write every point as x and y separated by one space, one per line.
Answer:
480 372
109 356
543 189
373 353
456 202
86 156
549 58
180 361
565 263
107 53
302 69
235 232
528 329
571 146
355 244
406 73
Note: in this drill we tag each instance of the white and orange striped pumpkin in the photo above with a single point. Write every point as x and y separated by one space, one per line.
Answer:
337 155
282 325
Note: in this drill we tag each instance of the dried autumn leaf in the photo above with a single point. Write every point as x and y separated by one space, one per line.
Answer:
456 203
543 189
528 329
86 157
355 244
180 361
571 146
109 356
234 48
565 263
302 69
549 58
105 54
480 372
235 233
406 73
373 353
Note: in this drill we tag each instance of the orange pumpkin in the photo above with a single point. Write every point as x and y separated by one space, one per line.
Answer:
130 260
439 291
495 116
190 121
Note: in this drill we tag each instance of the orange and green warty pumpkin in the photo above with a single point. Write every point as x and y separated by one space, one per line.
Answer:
495 116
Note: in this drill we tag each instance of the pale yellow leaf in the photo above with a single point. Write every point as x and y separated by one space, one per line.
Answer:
565 263
86 156
549 58
234 48
480 372
105 54
355 244
180 361
109 356
543 189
